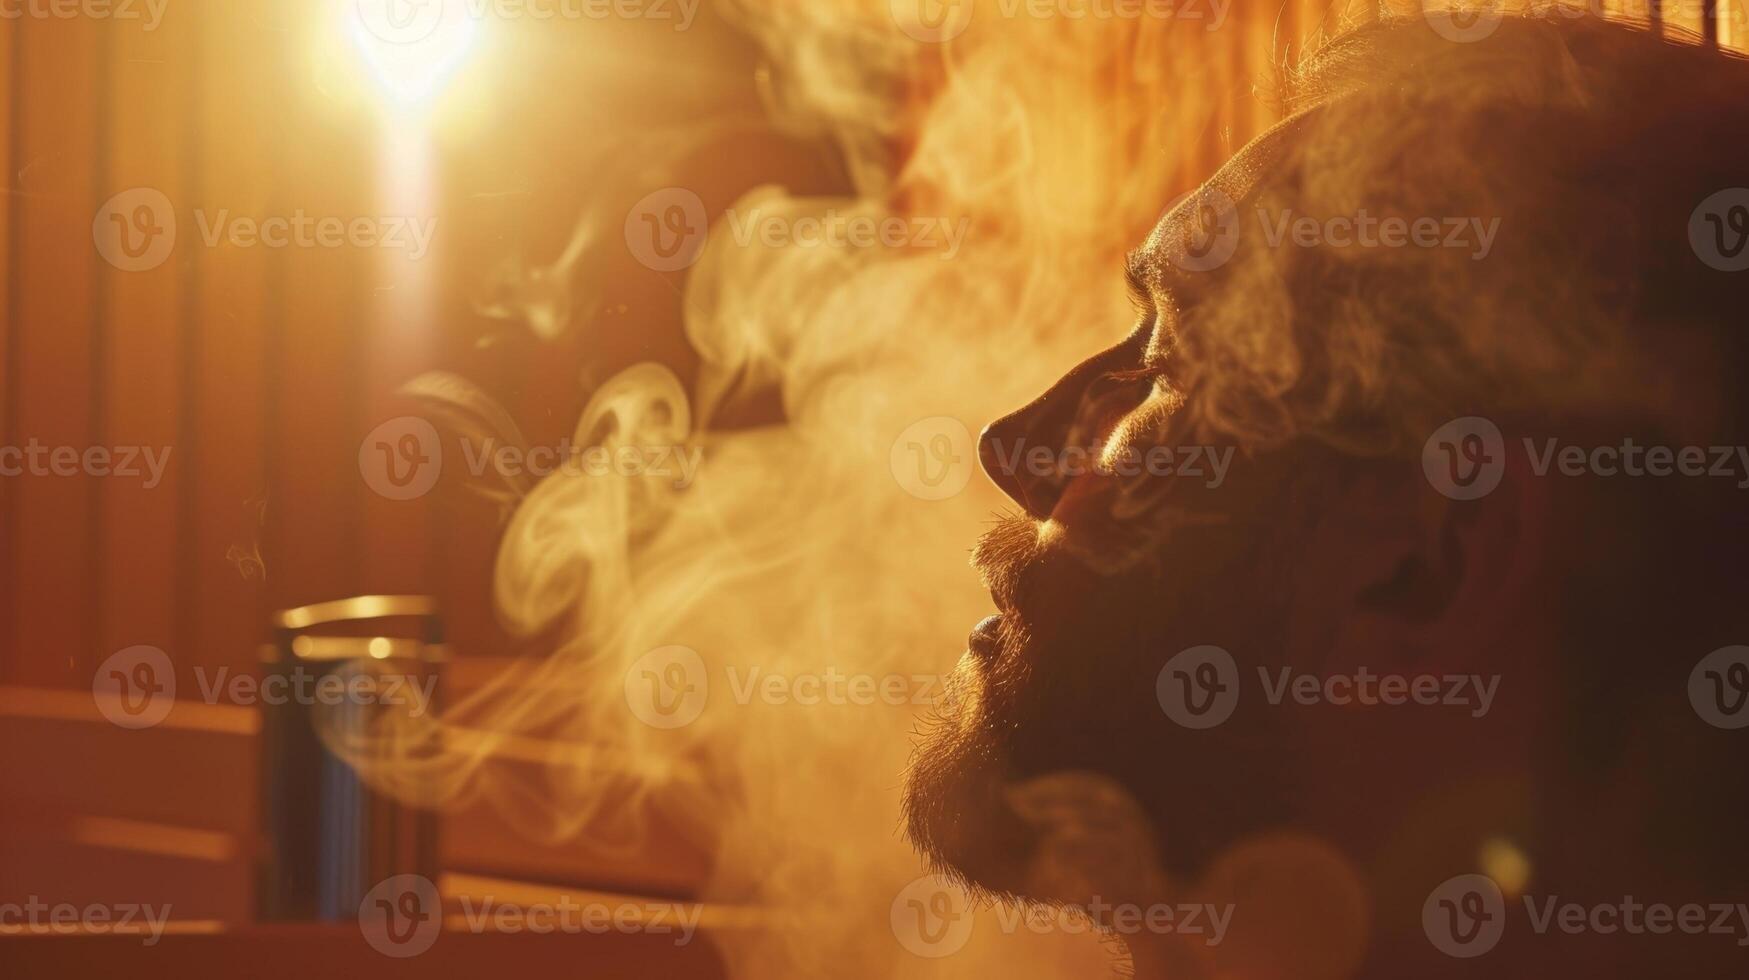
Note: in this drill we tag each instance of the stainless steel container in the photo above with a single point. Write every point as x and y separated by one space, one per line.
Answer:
328 836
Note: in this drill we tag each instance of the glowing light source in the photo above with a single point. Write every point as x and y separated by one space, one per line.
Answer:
1504 862
412 46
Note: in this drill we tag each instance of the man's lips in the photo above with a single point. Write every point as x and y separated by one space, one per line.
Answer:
984 642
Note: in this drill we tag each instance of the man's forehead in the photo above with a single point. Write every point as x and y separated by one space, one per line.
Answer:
1233 182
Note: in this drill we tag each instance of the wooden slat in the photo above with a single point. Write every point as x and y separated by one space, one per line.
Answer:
53 637
303 952
96 813
151 81
62 871
1733 27
400 328
196 770
314 335
224 444
9 251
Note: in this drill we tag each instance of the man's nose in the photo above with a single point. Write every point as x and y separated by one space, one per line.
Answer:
1024 451
1020 451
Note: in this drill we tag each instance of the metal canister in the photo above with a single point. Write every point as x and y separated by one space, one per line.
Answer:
329 836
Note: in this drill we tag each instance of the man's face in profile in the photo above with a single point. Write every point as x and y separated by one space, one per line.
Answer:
1231 588
1138 592
1138 537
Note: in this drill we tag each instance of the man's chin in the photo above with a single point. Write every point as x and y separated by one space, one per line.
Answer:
956 810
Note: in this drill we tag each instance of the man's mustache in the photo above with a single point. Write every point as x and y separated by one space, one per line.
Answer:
1003 553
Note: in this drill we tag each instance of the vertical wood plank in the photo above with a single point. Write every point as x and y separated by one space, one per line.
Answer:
401 327
61 66
151 81
224 446
1732 33
314 339
9 190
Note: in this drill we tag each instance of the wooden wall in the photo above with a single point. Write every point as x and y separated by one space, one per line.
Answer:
260 370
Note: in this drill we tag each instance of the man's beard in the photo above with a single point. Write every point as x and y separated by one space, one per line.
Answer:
1070 688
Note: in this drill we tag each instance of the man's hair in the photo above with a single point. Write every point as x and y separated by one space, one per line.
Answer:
1590 142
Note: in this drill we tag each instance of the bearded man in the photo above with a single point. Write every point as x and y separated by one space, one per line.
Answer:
1441 675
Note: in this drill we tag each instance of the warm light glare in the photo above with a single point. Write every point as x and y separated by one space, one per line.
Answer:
413 47
1504 862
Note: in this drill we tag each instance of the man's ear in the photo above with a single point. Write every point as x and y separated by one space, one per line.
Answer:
1420 576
